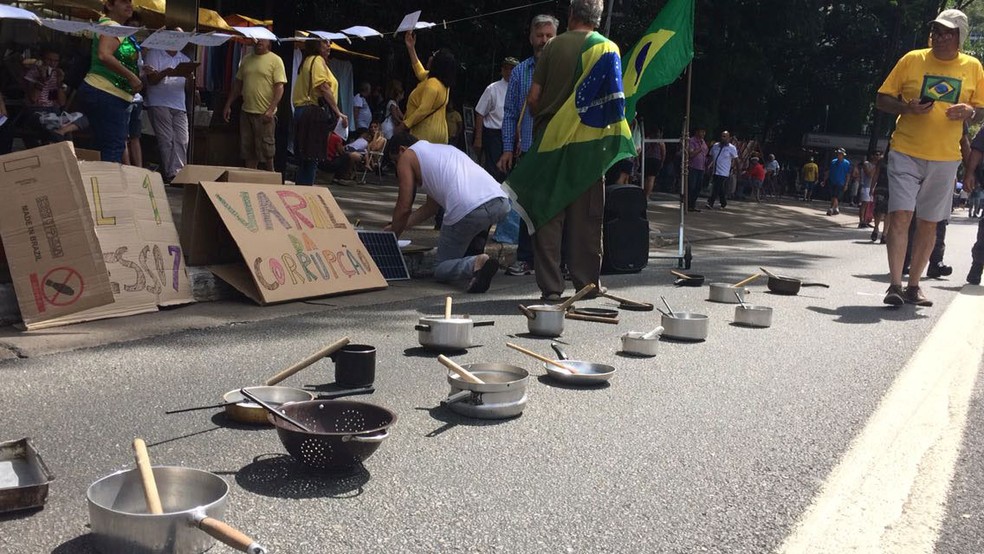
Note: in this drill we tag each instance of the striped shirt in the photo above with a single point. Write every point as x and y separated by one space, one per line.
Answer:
519 87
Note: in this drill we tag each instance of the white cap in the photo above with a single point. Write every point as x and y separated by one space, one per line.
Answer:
954 19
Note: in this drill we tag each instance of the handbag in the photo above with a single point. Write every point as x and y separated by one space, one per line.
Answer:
314 125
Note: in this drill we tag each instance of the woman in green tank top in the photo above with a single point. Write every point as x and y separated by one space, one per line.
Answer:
112 81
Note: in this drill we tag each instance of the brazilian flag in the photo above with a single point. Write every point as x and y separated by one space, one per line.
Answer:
586 136
661 54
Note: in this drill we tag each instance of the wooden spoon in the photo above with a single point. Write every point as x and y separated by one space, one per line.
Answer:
680 275
769 273
744 282
326 351
543 359
465 375
447 308
577 296
594 318
147 477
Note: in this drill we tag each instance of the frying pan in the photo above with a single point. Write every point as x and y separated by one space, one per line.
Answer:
595 312
687 280
789 286
588 373
626 304
239 409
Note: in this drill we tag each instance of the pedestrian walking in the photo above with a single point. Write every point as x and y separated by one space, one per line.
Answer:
697 158
809 174
723 158
865 199
836 179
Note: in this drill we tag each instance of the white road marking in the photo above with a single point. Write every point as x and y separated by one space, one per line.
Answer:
888 493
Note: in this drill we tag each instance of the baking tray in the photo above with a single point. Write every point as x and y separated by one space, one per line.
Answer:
24 477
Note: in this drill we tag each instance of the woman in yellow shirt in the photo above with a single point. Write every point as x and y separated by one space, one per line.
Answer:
426 116
314 83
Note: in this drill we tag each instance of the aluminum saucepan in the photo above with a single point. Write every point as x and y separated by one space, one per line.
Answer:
194 503
545 320
751 315
634 343
685 326
587 373
725 293
501 395
444 334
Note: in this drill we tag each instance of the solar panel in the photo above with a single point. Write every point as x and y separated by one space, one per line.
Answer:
385 251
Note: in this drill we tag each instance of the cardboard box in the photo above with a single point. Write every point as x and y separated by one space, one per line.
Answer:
138 241
251 176
48 234
194 174
84 155
290 242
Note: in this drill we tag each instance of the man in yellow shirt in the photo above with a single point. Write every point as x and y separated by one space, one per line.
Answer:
810 173
934 91
260 79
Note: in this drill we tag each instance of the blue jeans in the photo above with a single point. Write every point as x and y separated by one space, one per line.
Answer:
454 239
109 118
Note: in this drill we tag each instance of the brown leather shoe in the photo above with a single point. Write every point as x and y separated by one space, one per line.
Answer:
913 295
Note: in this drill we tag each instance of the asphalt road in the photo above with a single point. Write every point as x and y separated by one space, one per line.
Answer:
710 447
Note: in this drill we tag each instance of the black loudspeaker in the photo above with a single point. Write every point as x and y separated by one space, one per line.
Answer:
626 230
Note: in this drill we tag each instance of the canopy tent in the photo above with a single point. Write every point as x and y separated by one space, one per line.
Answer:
237 20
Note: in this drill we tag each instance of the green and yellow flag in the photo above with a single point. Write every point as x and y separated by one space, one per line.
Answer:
586 136
661 54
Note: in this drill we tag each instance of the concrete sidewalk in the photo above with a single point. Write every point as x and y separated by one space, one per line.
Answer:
371 205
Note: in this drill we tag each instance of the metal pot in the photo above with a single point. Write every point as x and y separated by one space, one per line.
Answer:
546 320
439 333
502 395
725 293
685 326
192 499
753 316
248 412
633 343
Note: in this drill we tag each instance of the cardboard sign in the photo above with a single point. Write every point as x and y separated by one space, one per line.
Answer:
197 221
138 241
48 235
294 242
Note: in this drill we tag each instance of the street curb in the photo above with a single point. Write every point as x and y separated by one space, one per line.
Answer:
206 287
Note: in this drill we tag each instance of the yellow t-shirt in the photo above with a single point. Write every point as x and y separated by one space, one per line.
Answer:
810 171
309 79
259 74
426 116
932 136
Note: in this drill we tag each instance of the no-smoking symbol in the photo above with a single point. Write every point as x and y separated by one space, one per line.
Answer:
62 286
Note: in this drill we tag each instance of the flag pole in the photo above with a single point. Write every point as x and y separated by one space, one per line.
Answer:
684 172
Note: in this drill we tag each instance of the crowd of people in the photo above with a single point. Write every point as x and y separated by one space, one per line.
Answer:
419 133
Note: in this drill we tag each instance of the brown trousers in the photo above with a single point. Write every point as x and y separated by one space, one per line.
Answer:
582 222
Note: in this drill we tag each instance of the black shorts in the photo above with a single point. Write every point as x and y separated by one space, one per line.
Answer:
653 165
881 202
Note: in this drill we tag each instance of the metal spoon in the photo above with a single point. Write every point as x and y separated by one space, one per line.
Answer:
665 303
245 392
740 301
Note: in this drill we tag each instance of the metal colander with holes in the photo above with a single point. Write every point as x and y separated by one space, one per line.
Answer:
343 433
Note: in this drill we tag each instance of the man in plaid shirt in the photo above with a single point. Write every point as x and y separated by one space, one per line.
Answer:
517 120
